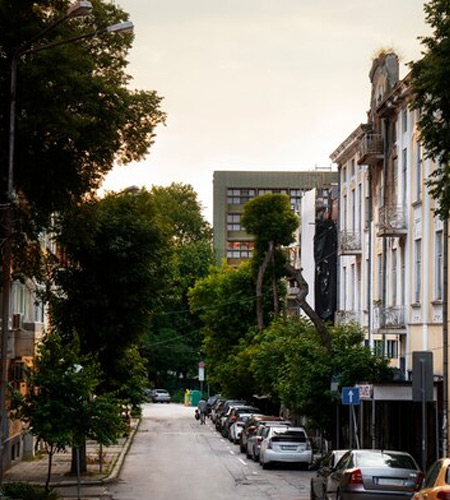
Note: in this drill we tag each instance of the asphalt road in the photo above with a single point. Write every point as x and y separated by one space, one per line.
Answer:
173 457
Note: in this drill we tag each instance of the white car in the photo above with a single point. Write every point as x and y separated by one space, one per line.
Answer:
234 434
160 396
290 445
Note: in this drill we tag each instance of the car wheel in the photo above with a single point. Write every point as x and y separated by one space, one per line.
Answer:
256 458
265 465
242 448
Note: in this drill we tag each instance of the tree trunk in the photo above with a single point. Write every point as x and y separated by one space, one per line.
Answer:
259 286
49 468
303 290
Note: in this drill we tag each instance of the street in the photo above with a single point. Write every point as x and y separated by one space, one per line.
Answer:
173 457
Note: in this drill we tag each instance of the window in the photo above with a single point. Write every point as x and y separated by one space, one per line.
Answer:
378 347
417 270
404 174
380 275
344 175
394 277
234 222
239 249
352 167
439 263
239 196
392 349
353 208
418 171
405 120
344 214
403 277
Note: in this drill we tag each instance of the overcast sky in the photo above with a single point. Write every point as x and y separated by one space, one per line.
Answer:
257 84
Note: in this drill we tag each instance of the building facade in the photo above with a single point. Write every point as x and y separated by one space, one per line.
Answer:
391 244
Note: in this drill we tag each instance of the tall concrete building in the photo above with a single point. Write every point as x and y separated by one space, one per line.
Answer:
232 189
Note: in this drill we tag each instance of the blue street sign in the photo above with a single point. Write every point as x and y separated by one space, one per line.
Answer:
350 395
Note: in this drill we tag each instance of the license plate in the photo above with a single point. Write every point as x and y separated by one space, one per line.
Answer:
390 481
287 448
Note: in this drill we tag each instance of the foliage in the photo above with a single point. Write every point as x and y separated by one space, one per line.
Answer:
62 406
269 218
76 115
291 363
25 491
431 95
115 276
224 301
173 342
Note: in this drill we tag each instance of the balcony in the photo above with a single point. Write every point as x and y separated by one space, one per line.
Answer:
392 221
390 318
346 317
370 149
349 243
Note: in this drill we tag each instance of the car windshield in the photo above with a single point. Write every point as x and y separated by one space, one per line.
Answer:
392 460
294 436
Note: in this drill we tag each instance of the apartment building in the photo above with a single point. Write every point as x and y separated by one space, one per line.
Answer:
232 189
390 262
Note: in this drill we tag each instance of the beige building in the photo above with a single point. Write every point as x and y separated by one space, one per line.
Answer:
391 253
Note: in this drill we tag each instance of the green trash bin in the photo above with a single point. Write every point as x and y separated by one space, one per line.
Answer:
195 397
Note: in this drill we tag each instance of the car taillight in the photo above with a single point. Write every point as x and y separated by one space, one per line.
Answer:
308 444
258 439
233 419
354 476
443 495
419 481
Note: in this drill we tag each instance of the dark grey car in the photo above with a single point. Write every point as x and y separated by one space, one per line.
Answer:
374 475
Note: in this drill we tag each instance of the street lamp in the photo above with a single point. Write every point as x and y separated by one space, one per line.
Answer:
78 9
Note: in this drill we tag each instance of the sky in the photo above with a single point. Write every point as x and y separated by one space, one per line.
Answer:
257 84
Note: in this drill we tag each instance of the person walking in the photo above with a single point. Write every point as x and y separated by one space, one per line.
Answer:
202 410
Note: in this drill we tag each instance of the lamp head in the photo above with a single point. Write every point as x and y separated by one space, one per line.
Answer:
78 9
125 27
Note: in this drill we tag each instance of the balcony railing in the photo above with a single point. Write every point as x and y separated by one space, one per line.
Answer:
345 317
390 317
370 149
392 221
349 243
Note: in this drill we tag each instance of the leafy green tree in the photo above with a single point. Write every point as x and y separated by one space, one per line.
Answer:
76 115
62 407
291 363
173 343
431 95
270 220
117 256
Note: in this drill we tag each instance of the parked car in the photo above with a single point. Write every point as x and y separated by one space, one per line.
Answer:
289 445
436 485
374 474
323 468
160 396
233 414
224 409
251 427
255 440
234 433
210 402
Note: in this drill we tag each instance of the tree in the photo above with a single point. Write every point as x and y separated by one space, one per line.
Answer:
431 95
76 115
270 220
173 343
291 363
117 253
62 407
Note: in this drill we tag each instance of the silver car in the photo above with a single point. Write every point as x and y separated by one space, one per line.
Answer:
374 475
289 445
160 396
323 468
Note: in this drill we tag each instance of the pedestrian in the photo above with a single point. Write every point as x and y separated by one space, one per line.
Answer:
202 410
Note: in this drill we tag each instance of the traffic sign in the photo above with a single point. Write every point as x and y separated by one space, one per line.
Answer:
350 395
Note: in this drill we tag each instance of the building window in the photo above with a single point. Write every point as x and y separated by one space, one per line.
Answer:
392 349
234 222
380 275
405 120
394 278
418 171
417 270
239 249
352 167
404 174
353 208
344 214
378 347
239 196
439 263
344 175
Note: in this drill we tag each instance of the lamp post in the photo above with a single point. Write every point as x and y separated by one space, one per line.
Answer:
80 8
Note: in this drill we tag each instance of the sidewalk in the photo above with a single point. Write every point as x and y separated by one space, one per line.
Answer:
35 470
